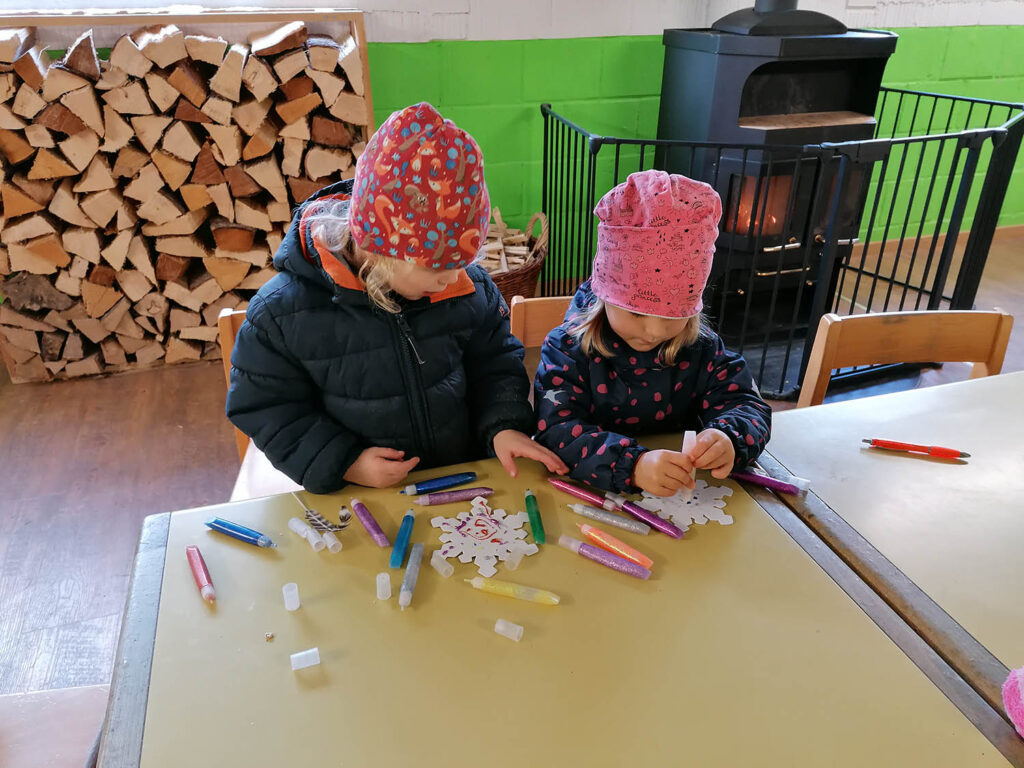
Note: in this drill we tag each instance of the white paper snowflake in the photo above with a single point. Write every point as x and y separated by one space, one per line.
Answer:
483 535
705 503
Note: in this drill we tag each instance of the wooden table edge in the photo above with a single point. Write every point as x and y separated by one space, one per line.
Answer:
125 720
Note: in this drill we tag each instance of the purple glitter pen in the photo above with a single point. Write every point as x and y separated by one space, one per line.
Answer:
447 497
772 483
603 557
370 524
651 518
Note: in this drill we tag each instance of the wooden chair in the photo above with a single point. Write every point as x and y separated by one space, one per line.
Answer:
228 323
531 319
905 337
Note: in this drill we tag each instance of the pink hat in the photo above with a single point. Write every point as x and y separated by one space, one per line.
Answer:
419 191
655 242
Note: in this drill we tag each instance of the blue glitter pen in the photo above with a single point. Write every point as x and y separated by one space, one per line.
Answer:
438 483
240 532
402 540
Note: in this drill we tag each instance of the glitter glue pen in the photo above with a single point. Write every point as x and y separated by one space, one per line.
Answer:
771 483
651 519
608 542
606 559
402 540
447 497
613 502
536 524
610 518
412 573
240 532
370 524
200 573
439 483
518 591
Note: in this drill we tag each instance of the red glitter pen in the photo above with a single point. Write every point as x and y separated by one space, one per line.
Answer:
200 573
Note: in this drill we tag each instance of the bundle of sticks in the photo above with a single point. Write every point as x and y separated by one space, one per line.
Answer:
143 194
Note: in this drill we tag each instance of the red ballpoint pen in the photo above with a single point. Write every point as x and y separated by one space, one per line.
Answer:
931 450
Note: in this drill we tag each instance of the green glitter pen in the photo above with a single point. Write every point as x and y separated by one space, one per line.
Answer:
536 524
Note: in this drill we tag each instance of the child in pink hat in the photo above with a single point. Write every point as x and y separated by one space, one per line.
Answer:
634 355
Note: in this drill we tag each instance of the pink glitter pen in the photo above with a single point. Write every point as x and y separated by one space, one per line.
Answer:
447 497
370 524
606 559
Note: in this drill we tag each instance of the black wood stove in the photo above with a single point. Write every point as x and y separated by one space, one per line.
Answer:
758 86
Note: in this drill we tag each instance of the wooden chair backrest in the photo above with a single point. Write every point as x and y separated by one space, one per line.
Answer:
531 319
905 337
228 323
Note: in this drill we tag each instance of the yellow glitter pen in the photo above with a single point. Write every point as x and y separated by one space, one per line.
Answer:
518 591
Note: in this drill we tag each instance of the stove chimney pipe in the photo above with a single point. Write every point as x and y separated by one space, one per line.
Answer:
779 18
771 6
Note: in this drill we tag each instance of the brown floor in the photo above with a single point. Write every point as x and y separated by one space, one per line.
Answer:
82 462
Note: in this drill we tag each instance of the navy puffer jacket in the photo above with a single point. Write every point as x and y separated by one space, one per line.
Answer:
591 410
319 373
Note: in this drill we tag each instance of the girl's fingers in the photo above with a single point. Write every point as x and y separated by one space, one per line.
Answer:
675 472
721 472
711 457
545 457
391 454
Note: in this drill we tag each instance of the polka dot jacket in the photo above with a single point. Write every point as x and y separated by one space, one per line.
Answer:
592 409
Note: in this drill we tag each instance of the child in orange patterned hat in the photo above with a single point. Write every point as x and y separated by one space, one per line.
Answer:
380 347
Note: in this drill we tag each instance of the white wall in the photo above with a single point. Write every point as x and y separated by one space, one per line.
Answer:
420 20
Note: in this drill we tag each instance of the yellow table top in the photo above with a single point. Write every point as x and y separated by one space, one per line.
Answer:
956 530
738 651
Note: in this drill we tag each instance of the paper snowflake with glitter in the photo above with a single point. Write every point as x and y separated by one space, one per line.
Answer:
705 503
483 535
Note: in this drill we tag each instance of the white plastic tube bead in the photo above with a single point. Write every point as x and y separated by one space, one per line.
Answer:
299 527
439 564
291 596
316 541
509 630
331 542
384 586
304 659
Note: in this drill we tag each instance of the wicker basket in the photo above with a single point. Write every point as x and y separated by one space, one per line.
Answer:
522 280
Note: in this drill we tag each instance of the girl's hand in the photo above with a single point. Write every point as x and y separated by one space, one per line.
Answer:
380 467
508 444
715 451
662 472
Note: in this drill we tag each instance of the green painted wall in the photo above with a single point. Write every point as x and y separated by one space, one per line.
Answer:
610 85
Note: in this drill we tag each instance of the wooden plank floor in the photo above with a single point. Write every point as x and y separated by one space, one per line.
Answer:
82 462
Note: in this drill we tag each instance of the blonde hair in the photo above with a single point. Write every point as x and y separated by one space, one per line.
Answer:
329 228
591 330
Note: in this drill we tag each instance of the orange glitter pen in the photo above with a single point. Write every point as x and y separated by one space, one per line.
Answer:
611 544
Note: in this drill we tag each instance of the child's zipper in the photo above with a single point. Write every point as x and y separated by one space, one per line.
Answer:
414 385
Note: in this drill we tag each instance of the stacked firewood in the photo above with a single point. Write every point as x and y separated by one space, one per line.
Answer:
142 195
506 247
